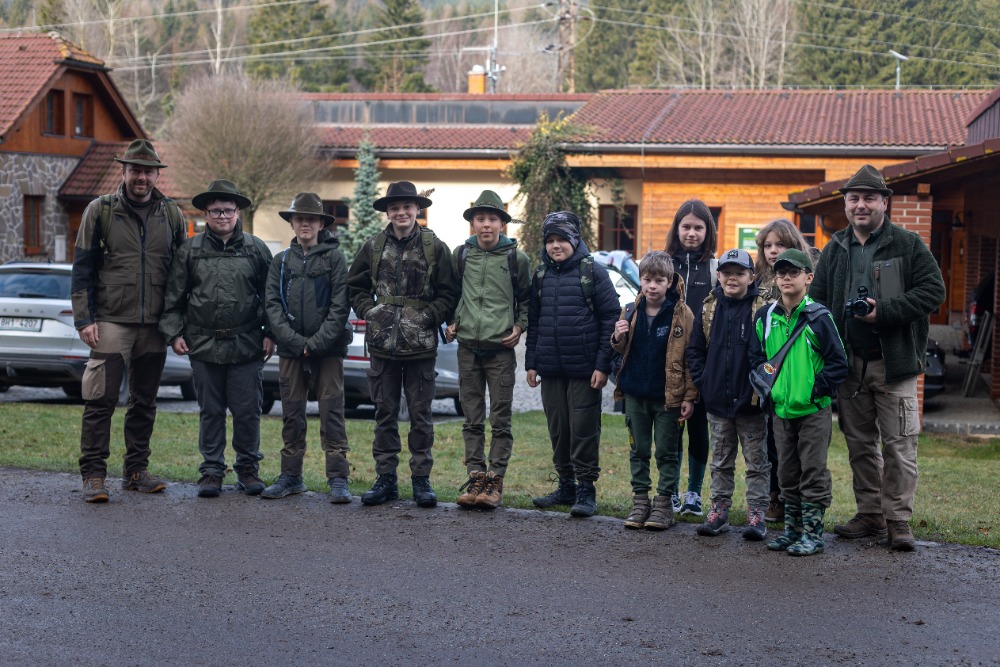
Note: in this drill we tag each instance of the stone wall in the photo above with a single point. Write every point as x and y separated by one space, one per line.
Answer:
38 175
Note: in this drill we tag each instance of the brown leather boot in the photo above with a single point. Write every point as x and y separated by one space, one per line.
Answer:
862 525
640 511
492 492
473 487
775 509
900 535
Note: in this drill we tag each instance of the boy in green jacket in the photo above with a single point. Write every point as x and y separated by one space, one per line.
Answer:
492 313
801 397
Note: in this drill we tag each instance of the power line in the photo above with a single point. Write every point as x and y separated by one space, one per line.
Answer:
909 17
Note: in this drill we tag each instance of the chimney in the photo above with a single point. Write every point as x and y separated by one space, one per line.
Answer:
477 80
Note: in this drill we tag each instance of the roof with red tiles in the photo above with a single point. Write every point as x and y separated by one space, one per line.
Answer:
426 137
28 62
98 173
886 118
987 152
446 97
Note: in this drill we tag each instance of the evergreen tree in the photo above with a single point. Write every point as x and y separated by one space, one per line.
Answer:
365 220
275 29
606 54
546 183
396 67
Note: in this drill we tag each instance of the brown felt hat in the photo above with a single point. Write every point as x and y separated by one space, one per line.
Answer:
400 191
308 203
867 178
142 153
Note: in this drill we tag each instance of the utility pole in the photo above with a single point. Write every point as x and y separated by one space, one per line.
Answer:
567 40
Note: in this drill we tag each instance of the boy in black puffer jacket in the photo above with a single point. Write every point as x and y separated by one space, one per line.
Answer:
572 313
719 363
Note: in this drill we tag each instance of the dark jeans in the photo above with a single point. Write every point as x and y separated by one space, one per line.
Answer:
476 372
325 376
697 430
238 388
573 413
387 380
142 350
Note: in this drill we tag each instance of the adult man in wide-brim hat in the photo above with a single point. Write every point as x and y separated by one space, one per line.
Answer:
890 269
402 283
123 252
307 307
214 313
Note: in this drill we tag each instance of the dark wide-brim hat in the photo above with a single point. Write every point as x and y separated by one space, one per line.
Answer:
307 203
142 153
867 178
488 201
400 191
220 189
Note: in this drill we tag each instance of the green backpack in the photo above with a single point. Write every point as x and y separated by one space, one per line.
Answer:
173 215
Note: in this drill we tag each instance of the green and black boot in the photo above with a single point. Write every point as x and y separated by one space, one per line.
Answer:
811 541
793 528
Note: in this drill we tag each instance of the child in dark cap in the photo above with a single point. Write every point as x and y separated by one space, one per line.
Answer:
572 313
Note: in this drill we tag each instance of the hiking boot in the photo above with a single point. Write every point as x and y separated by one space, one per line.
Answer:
586 500
94 490
661 516
793 529
209 486
565 494
862 525
423 494
492 492
249 482
676 504
383 490
472 487
775 509
811 541
339 493
285 485
692 505
717 521
900 535
143 482
756 529
640 511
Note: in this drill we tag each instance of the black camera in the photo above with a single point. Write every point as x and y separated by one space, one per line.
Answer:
860 306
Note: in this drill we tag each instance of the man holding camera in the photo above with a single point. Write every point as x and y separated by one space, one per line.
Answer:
881 283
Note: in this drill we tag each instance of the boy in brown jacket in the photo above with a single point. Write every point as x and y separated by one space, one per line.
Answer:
657 387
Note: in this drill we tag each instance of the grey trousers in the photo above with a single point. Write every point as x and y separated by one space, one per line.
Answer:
573 413
728 435
881 425
802 445
238 388
325 376
388 379
476 372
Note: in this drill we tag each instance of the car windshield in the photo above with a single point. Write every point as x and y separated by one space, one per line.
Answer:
30 285
631 269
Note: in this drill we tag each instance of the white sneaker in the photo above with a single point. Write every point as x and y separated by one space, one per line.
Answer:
675 501
692 504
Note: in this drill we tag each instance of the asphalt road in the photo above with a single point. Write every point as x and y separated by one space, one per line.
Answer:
173 579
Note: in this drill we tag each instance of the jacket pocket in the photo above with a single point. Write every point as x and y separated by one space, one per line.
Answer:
888 278
117 294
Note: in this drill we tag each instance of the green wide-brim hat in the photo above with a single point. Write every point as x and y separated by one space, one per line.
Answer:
142 153
867 178
308 203
401 191
220 189
488 201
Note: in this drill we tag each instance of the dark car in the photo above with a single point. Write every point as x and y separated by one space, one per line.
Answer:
39 346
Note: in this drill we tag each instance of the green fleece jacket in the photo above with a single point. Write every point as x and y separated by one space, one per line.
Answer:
909 287
489 307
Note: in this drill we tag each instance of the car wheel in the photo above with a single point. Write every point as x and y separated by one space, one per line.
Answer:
266 405
458 407
187 391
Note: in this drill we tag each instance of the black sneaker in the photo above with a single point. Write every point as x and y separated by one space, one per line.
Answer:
716 523
285 485
209 486
423 494
756 529
339 493
586 500
385 489
565 494
143 482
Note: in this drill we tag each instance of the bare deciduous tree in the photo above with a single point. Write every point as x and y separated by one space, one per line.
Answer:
256 134
760 27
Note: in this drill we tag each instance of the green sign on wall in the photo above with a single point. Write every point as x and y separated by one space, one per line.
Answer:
747 238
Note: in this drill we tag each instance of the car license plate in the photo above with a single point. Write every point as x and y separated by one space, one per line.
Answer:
20 324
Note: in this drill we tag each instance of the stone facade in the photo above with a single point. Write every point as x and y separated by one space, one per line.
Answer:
38 175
